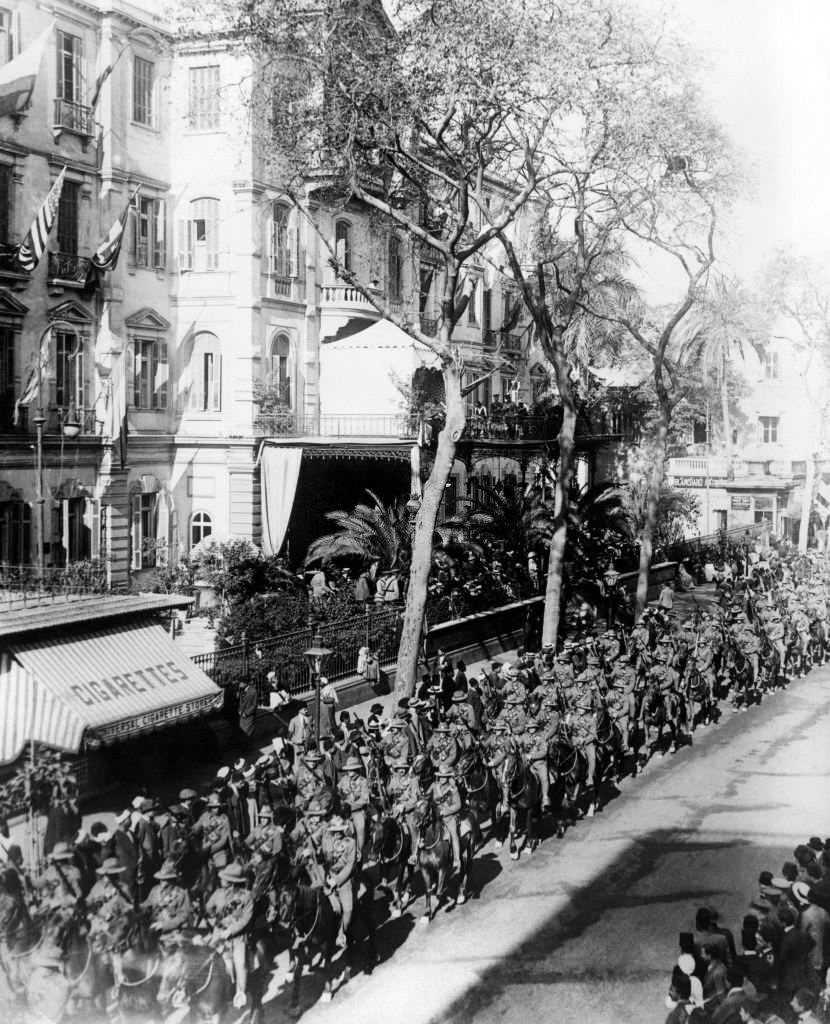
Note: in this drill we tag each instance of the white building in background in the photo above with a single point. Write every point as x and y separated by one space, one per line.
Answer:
229 323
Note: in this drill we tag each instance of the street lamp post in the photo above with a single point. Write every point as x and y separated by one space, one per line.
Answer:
316 657
71 429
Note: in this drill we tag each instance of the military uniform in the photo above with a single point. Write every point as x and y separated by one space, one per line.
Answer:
169 907
582 723
704 660
621 702
461 720
307 842
214 827
107 907
396 744
310 781
353 789
266 839
340 859
442 748
59 886
514 715
230 911
534 745
404 792
447 797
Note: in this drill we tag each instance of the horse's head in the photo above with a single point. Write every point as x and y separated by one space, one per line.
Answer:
286 905
425 813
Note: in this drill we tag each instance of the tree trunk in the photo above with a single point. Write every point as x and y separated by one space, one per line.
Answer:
562 498
409 647
655 485
807 502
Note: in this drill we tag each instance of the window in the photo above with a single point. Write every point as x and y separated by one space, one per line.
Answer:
149 374
451 497
144 531
284 246
150 232
206 374
343 244
69 370
203 98
70 68
143 80
75 530
539 383
487 311
279 374
199 242
769 429
427 273
472 305
9 35
201 526
395 269
771 371
7 389
15 532
68 218
6 195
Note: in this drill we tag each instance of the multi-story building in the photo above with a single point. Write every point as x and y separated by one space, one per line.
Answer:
223 317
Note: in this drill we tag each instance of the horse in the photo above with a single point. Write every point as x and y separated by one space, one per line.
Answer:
770 664
521 794
312 924
435 854
482 791
818 642
194 984
655 715
702 707
386 862
568 770
744 687
610 753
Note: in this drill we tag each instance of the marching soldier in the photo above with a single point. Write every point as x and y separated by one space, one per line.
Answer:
353 789
534 745
442 748
340 857
168 903
230 910
446 795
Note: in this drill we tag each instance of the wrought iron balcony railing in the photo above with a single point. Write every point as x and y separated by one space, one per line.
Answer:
26 585
429 325
68 268
73 117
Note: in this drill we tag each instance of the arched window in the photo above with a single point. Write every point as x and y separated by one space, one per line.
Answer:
395 269
343 243
199 236
201 526
206 374
279 368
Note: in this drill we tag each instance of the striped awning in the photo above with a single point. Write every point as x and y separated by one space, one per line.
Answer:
100 685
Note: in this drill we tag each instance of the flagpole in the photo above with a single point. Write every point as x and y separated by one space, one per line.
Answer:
40 419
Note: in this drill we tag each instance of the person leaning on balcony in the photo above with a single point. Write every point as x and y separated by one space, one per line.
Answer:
480 420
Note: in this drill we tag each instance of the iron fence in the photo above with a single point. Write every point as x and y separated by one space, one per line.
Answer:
25 585
284 654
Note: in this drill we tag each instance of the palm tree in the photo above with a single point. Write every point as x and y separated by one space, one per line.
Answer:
378 533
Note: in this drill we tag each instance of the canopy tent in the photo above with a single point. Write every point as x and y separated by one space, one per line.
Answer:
98 685
358 373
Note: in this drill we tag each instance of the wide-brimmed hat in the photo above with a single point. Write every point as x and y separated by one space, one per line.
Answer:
397 723
801 893
514 698
312 756
265 812
264 760
249 773
223 773
352 764
213 800
459 696
442 727
445 772
233 873
316 808
167 871
177 810
61 851
111 866
187 794
337 824
401 763
239 764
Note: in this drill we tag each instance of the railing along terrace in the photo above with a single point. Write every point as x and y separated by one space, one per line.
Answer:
365 425
64 266
343 295
27 585
284 655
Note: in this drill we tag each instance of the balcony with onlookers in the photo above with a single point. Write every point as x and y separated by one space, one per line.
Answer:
24 586
72 117
67 270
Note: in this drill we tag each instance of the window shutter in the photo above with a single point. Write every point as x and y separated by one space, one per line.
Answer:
92 521
81 384
212 234
15 33
215 400
160 235
65 527
129 373
294 251
136 540
160 383
185 245
272 247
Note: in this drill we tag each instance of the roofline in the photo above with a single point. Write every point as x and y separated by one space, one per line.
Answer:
97 608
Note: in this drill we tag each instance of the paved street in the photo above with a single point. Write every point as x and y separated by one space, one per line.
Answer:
586 930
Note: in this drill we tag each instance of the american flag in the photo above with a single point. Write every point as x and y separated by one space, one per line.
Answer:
34 244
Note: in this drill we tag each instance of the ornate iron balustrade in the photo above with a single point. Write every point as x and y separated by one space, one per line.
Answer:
68 268
73 117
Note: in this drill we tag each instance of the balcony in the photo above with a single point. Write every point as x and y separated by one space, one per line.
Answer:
289 423
699 469
510 342
23 586
429 326
67 270
344 295
72 117
11 272
282 286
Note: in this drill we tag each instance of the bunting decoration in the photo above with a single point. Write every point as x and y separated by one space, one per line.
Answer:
106 255
33 245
